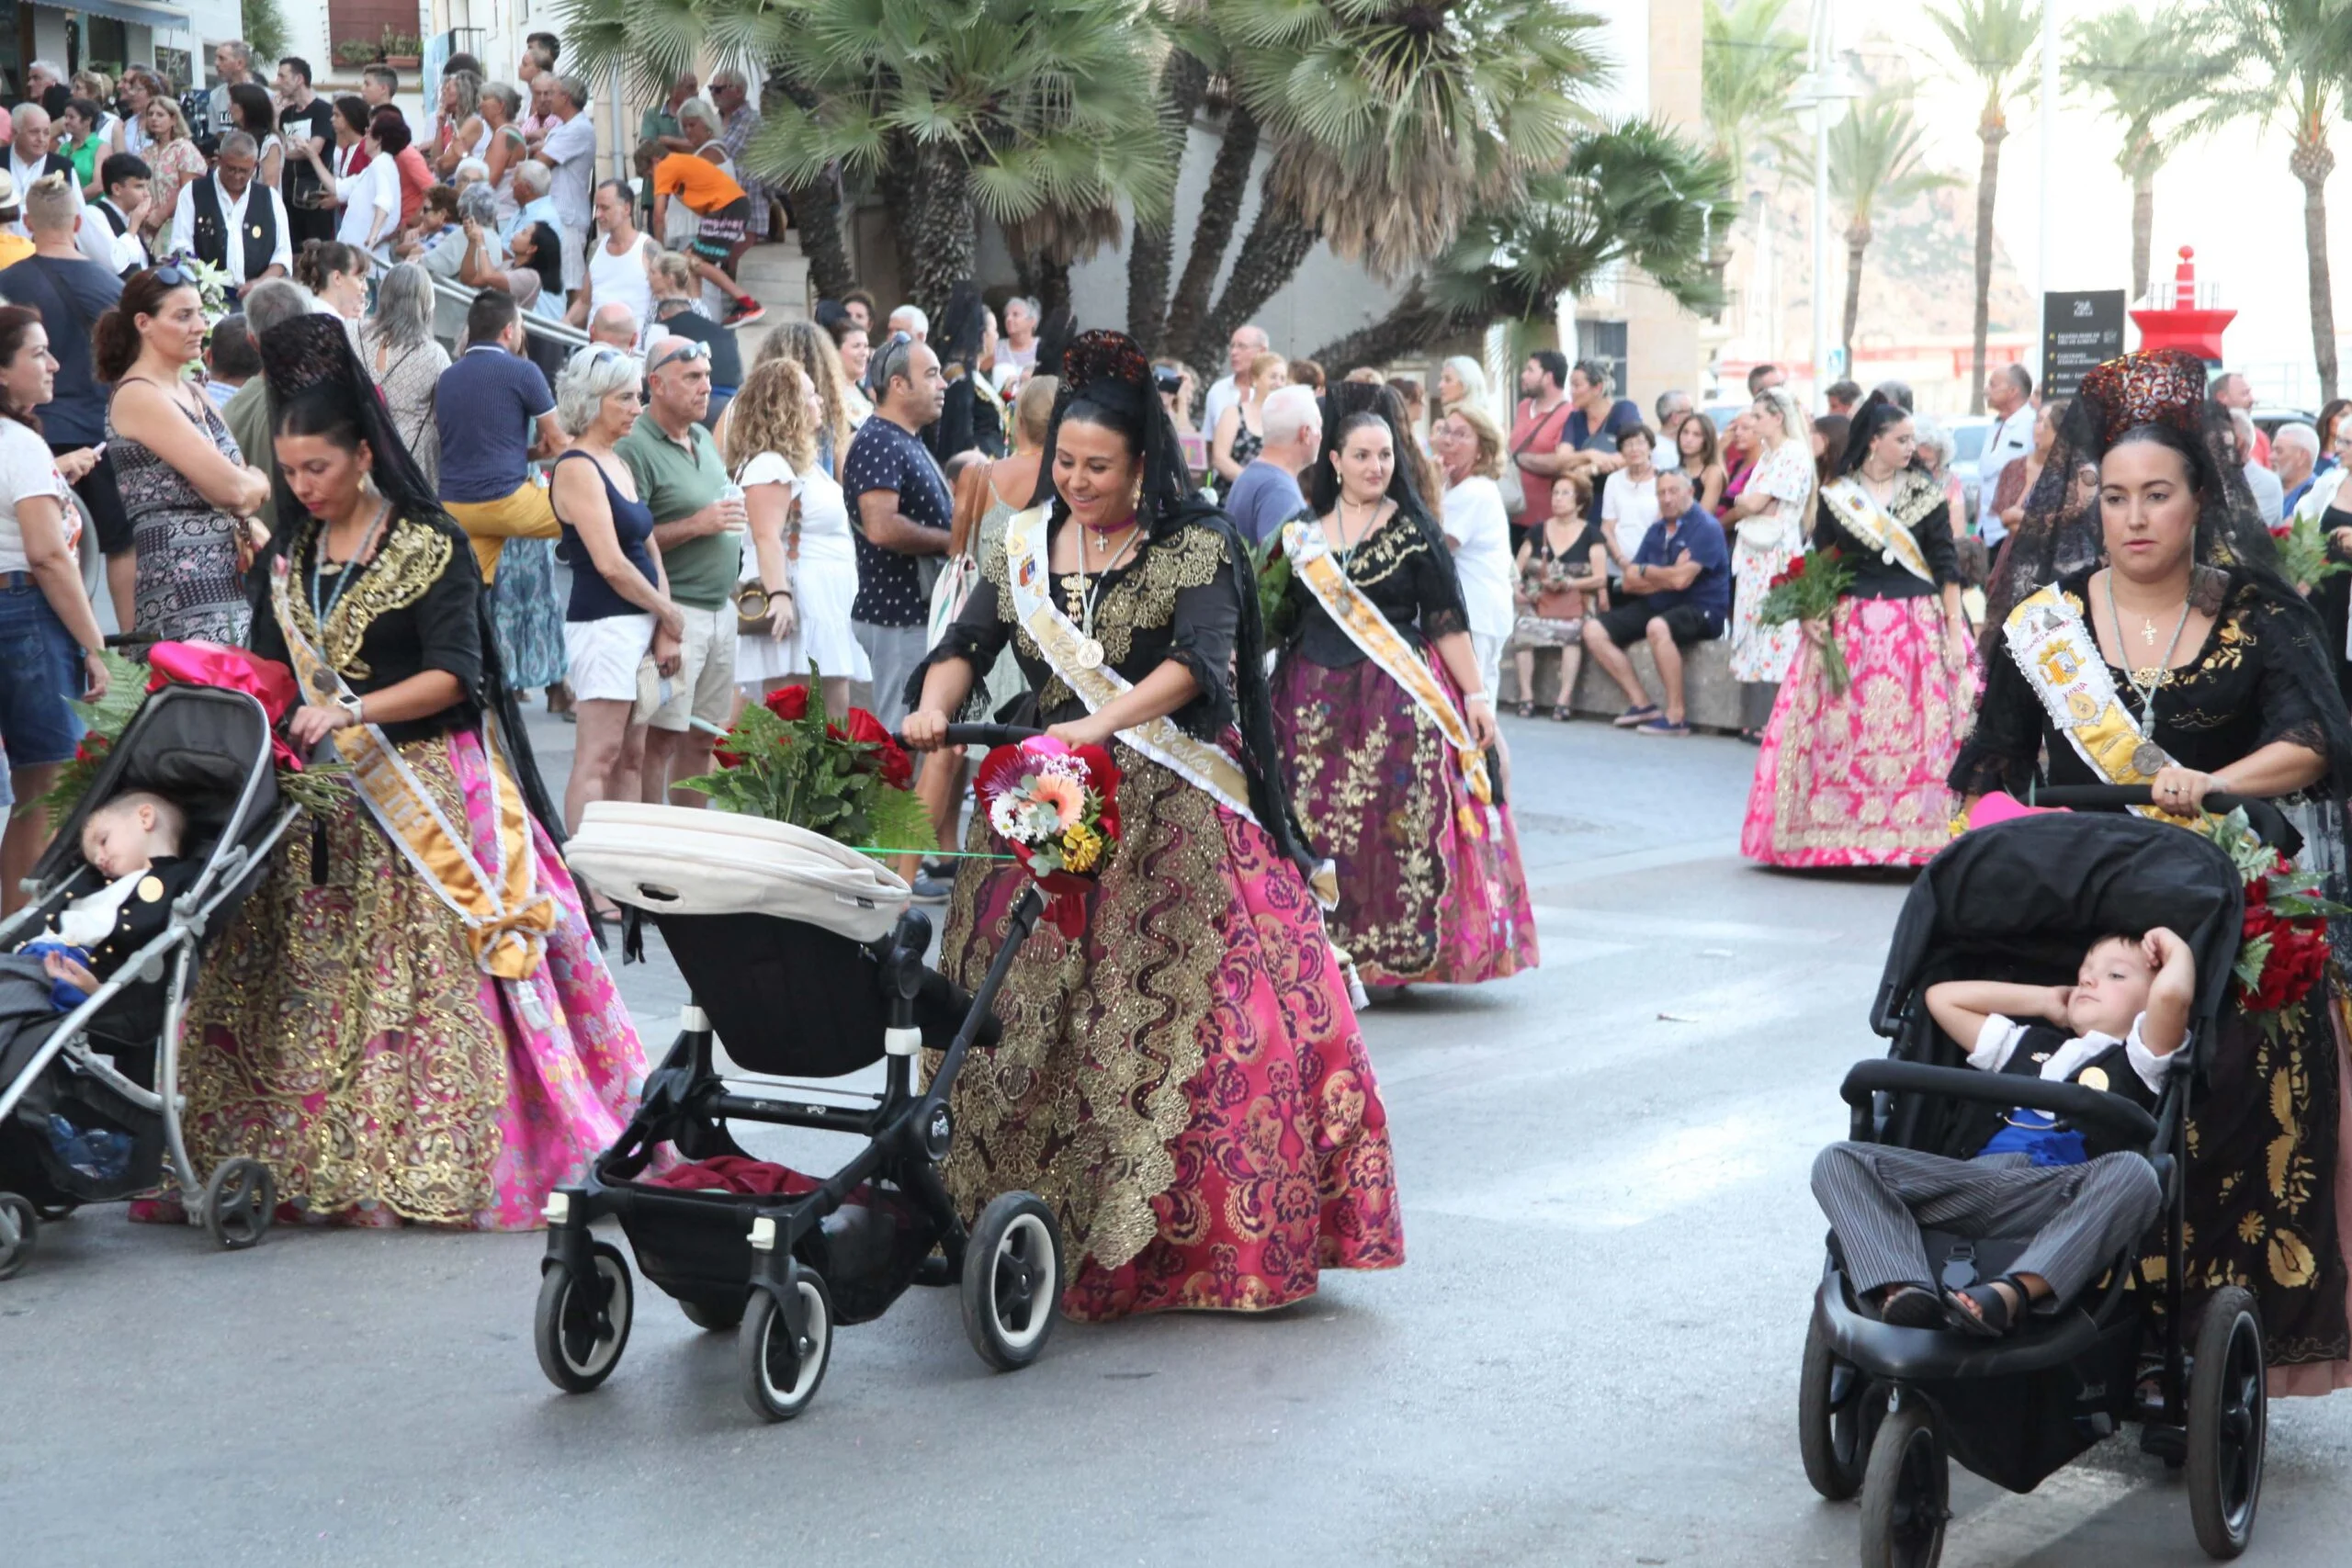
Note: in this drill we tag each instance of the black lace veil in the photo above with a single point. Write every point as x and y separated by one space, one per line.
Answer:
310 360
2161 395
1106 379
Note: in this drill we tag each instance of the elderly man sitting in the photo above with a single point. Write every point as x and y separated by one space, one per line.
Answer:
1678 584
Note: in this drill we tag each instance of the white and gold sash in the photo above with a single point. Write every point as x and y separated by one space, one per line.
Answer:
1313 562
1058 639
1861 514
505 911
2061 663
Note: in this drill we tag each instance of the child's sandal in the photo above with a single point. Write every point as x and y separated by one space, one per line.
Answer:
1992 1317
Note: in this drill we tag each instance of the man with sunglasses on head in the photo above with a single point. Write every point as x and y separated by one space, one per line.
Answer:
901 507
699 526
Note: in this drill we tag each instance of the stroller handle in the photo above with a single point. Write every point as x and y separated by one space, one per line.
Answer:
2264 817
2119 1118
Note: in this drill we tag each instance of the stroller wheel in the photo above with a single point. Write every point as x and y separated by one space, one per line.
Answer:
2228 1422
1905 1493
781 1371
19 1229
710 1314
1835 1418
239 1203
1012 1279
52 1213
582 1325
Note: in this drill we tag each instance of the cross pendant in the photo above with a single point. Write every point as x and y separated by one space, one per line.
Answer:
2148 633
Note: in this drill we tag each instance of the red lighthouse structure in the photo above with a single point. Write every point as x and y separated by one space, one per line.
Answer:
2184 325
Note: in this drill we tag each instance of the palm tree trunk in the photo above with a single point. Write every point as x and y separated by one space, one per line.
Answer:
817 215
1411 325
1153 253
1992 129
2143 228
1271 253
1858 240
1212 232
939 234
2312 162
1053 281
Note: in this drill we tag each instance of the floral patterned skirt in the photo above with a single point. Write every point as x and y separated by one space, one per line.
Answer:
342 1034
1758 652
527 616
1859 779
1185 1084
1431 887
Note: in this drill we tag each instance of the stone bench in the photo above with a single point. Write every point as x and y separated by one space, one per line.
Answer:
1711 697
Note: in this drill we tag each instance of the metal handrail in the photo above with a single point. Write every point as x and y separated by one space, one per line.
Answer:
460 294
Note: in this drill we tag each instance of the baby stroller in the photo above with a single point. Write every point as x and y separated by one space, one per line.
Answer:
805 958
89 1102
1881 1407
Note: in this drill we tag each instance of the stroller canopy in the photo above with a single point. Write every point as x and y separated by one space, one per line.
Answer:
676 860
2045 888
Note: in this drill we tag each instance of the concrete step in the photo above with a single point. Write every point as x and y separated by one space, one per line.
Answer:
777 276
1711 697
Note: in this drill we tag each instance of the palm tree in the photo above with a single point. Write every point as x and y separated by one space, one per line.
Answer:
1875 161
2293 58
1388 123
1039 113
1635 194
1992 40
2150 73
1749 63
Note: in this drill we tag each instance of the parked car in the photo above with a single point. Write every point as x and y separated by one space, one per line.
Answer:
1969 433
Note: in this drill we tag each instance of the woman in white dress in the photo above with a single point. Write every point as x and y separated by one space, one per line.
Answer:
1772 515
801 549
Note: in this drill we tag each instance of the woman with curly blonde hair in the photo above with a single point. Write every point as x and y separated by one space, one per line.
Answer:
801 555
811 348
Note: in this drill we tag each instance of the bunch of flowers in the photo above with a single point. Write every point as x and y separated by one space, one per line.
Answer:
2302 551
2284 947
1273 572
211 285
188 664
1808 589
852 782
1059 810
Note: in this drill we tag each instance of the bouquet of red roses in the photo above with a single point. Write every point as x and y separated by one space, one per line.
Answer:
1058 809
852 782
1808 589
2283 949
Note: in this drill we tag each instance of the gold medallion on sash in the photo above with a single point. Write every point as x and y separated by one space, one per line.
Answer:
2061 661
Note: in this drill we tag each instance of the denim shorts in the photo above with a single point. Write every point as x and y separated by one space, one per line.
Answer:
40 668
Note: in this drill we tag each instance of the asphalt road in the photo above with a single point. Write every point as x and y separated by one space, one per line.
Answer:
1589 1357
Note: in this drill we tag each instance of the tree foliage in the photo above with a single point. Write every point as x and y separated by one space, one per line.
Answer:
265 32
1748 65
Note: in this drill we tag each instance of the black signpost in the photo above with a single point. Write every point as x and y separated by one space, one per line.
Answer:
2078 330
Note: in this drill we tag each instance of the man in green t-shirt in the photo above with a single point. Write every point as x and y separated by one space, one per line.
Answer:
698 526
659 135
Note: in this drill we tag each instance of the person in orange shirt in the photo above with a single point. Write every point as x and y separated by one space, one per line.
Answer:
704 180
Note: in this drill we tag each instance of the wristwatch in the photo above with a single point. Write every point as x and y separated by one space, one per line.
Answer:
349 702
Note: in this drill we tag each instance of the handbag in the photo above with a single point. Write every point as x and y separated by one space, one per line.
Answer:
754 597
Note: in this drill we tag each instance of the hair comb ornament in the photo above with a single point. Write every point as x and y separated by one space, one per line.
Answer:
1106 366
2163 386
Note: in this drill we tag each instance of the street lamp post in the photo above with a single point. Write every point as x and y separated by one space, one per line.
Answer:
1826 91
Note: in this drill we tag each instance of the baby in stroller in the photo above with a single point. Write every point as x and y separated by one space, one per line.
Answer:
2081 1196
133 840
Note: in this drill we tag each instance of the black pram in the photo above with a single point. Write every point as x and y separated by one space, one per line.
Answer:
1881 1407
89 1102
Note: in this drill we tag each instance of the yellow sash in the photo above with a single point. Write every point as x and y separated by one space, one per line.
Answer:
2063 664
1057 638
1312 563
505 914
1863 517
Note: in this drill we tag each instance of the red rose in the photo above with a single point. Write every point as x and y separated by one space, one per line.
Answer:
789 704
92 747
724 757
898 770
1102 777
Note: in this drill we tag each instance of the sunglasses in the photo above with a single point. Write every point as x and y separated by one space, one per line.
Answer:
891 344
171 277
694 350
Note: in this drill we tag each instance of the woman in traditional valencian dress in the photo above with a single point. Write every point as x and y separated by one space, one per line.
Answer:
2162 592
1858 778
399 1043
1770 513
1184 1082
1385 722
